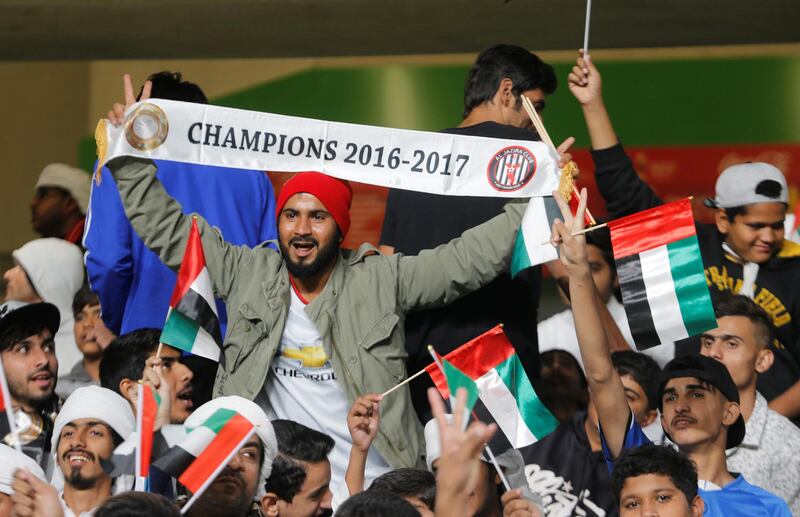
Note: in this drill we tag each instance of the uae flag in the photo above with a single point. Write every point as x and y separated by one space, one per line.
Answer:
661 277
8 430
197 459
504 393
192 321
146 408
532 246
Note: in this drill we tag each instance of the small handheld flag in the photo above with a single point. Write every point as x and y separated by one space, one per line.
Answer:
8 428
505 394
192 321
146 409
661 276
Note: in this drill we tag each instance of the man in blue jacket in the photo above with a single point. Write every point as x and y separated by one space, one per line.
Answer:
133 285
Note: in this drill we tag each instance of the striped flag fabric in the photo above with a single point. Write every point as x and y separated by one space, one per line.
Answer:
8 429
147 404
197 459
535 229
661 276
505 394
192 321
455 379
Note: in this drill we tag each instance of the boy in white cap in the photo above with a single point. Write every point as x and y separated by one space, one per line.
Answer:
58 208
744 252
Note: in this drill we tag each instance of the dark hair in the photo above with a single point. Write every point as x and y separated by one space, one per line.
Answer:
407 482
525 69
601 238
659 460
17 333
297 445
168 85
734 211
376 503
643 369
728 304
82 298
125 357
134 504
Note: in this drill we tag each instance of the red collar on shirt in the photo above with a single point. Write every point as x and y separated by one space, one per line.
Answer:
297 291
76 233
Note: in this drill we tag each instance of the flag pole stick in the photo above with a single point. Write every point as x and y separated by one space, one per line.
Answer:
586 28
496 465
158 352
585 230
539 125
400 385
5 396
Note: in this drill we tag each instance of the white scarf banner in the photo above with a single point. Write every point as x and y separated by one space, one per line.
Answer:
438 163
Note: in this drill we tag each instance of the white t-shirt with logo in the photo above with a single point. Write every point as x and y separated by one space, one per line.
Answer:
301 386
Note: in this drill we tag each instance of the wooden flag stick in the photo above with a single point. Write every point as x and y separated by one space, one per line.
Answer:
496 465
585 230
404 382
158 352
586 28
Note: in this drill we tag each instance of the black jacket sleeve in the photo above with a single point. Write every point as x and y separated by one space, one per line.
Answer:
622 189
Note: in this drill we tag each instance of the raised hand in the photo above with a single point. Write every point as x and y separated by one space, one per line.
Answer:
153 376
33 497
585 82
564 157
117 114
572 248
363 420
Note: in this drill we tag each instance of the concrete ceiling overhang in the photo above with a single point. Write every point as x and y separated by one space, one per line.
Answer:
143 29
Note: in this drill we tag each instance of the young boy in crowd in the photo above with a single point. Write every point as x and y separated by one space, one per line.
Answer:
697 398
656 480
416 486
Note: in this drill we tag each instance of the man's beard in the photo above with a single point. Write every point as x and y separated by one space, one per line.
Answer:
74 478
18 389
325 255
219 501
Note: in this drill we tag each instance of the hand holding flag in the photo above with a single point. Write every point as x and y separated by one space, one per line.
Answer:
566 233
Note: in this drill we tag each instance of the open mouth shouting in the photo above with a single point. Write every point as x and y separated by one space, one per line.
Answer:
302 247
184 398
78 457
683 422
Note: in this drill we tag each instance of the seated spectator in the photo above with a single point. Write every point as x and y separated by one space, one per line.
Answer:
416 486
767 456
124 362
566 468
656 480
558 331
697 398
299 485
58 209
10 461
49 270
136 504
90 425
233 491
30 366
92 337
376 503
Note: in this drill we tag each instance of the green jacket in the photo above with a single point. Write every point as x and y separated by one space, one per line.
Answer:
359 314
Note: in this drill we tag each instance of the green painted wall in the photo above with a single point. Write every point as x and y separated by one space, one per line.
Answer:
659 102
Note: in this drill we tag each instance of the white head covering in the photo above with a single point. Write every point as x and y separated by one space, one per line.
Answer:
55 268
10 461
75 181
433 441
251 412
92 402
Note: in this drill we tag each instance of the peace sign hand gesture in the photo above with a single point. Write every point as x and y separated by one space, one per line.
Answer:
117 114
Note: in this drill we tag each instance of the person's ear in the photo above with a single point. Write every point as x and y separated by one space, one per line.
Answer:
697 506
504 95
723 223
269 504
129 390
731 413
764 360
650 417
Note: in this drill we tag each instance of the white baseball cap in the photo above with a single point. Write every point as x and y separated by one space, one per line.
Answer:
743 184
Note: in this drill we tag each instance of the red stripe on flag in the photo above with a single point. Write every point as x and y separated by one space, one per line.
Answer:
475 357
145 421
194 261
231 434
652 228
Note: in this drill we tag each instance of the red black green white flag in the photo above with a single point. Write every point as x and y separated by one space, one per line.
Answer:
661 276
147 404
8 430
504 395
192 321
197 459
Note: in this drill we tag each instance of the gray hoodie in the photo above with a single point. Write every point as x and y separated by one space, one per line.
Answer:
55 268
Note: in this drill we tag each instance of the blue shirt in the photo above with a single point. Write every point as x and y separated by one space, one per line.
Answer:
133 285
737 498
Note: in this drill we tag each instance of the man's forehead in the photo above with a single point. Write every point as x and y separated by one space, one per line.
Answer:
304 201
86 422
168 352
687 383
